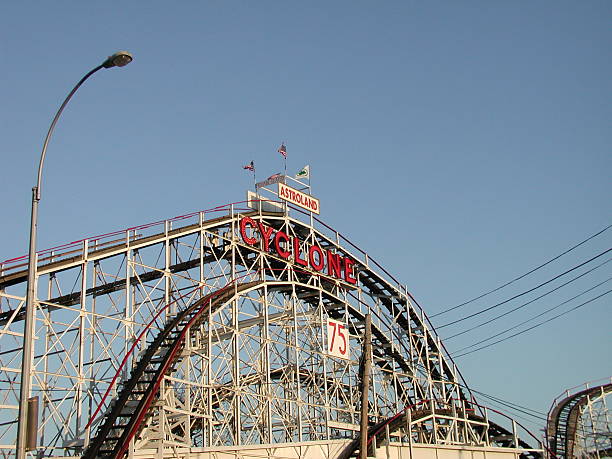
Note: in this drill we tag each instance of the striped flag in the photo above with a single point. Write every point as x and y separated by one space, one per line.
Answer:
283 150
250 166
274 176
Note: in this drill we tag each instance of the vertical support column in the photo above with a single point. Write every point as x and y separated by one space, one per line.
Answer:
325 359
486 416
429 370
167 263
129 312
373 382
92 353
387 441
267 389
363 308
236 371
128 330
432 404
202 246
466 426
409 429
367 359
411 339
208 432
236 344
394 370
455 427
44 389
604 409
457 398
189 389
81 357
298 401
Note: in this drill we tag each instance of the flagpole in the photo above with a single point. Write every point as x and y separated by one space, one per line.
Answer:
283 151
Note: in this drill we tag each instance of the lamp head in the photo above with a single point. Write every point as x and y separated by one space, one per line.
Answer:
119 59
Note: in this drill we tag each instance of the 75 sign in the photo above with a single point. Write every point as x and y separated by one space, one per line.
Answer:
337 339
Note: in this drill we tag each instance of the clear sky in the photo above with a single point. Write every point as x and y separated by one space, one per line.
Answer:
460 143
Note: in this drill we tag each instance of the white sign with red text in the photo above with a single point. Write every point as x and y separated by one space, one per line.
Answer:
337 339
298 198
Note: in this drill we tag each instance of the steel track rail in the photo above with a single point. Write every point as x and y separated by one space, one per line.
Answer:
130 408
563 419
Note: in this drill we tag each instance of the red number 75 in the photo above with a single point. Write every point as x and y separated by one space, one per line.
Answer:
341 331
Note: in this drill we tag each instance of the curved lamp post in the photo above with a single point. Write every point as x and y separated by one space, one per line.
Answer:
118 59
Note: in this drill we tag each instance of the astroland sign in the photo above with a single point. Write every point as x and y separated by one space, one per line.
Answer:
298 198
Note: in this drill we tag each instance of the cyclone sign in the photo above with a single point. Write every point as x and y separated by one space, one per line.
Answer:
314 257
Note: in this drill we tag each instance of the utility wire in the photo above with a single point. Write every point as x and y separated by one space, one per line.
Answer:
507 405
535 326
536 420
529 302
536 425
523 293
470 389
522 275
534 317
514 406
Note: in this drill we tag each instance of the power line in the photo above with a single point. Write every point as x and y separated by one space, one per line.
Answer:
507 405
535 326
534 317
529 302
523 293
522 275
536 425
514 406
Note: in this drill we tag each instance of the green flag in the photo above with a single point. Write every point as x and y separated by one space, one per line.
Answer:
304 172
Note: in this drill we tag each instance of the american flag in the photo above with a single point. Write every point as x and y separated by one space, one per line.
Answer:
283 150
250 166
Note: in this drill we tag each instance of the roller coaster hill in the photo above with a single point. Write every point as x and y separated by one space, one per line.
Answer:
234 332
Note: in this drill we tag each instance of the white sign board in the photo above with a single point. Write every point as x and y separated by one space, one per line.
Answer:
337 339
298 198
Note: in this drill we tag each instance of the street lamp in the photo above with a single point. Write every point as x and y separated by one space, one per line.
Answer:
119 59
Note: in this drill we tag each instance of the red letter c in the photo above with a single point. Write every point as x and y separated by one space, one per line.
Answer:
243 223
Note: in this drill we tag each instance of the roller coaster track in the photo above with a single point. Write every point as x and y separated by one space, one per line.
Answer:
130 408
564 417
411 362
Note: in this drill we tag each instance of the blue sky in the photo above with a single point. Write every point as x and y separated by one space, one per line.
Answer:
459 143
